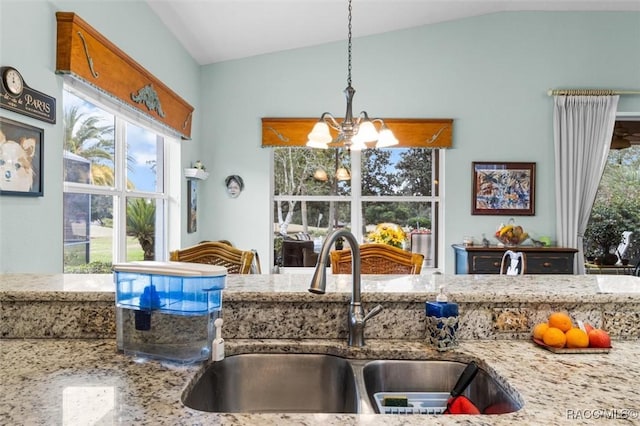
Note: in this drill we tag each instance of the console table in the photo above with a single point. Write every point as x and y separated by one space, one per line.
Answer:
540 260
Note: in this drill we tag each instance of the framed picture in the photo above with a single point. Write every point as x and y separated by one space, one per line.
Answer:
20 158
503 188
192 205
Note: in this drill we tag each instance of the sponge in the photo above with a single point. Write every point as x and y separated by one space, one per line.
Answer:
395 401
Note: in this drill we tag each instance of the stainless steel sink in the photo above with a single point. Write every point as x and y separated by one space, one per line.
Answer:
435 376
316 383
285 383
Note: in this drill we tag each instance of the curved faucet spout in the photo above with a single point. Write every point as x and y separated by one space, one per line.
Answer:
357 317
319 281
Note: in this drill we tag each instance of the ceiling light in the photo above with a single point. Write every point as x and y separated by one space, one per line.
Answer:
343 174
353 133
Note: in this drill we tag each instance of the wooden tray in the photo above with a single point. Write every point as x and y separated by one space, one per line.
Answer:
572 350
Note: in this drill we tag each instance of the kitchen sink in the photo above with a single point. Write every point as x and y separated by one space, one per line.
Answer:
285 383
320 383
435 376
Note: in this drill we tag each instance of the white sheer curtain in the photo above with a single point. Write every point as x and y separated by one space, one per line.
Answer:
583 127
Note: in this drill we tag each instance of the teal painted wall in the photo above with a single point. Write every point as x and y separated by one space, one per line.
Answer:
30 228
489 73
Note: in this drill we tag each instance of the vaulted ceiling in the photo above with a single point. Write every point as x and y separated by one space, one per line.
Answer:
220 30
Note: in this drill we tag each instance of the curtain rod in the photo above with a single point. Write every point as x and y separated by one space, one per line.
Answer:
590 92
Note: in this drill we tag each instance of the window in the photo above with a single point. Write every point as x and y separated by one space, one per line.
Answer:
317 191
616 209
115 194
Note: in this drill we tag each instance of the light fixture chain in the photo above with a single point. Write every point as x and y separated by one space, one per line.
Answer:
349 47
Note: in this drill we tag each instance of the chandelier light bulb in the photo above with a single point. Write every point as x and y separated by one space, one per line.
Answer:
319 136
343 174
367 132
386 138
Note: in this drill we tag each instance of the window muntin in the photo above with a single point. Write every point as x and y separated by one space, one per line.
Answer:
114 185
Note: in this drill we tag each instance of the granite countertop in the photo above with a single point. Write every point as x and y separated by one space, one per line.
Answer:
409 288
51 381
80 381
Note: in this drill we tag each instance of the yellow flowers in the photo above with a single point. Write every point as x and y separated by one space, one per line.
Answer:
388 233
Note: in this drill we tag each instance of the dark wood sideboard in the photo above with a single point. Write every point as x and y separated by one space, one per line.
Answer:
540 260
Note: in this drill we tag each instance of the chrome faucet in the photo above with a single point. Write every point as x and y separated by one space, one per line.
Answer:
357 317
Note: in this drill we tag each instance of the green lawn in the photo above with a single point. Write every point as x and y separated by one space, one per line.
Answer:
101 249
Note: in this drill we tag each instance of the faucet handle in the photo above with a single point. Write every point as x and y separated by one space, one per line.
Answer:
373 312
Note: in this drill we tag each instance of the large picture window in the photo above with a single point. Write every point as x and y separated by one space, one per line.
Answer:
317 191
114 187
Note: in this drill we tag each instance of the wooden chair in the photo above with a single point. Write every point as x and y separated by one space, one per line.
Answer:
217 253
378 259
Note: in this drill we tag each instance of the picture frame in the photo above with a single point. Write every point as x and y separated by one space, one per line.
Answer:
192 206
503 188
21 159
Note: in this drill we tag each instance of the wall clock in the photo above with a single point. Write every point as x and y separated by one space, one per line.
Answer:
13 81
17 96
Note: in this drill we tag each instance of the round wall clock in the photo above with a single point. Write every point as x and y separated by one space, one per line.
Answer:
13 81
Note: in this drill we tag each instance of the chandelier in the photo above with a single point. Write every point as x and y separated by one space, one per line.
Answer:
353 133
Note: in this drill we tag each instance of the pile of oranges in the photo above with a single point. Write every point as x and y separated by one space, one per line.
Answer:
560 332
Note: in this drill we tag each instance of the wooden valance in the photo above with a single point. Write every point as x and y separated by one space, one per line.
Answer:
87 55
411 132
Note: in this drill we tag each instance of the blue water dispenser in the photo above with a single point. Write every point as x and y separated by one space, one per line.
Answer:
166 310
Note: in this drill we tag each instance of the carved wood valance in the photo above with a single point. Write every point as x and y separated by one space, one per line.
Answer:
411 132
85 54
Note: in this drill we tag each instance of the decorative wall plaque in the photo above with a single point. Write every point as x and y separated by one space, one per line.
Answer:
17 96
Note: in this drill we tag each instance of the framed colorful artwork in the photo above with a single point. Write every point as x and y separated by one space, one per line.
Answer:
20 158
192 205
501 188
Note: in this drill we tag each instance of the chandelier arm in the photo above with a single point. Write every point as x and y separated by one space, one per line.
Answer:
328 118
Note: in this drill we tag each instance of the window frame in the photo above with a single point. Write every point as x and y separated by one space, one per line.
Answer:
123 116
356 199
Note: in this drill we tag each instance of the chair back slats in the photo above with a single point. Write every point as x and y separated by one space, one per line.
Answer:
217 253
515 262
378 259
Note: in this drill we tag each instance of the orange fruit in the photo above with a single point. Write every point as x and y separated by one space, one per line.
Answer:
560 320
577 338
539 329
554 337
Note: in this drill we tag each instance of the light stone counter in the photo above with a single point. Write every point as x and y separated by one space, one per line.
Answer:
60 365
279 306
82 382
462 288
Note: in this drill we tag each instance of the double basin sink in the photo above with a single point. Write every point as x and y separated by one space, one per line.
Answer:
320 383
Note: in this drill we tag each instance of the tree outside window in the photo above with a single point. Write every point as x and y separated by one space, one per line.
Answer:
617 206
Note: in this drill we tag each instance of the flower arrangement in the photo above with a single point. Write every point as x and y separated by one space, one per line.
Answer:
388 233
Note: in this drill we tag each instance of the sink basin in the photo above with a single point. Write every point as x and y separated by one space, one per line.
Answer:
435 376
285 383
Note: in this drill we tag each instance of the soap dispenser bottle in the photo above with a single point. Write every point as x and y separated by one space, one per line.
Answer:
442 322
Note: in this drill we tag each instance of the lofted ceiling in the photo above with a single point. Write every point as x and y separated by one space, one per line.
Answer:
220 30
